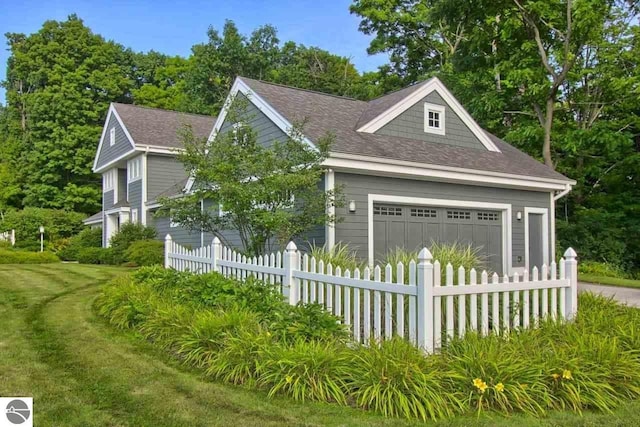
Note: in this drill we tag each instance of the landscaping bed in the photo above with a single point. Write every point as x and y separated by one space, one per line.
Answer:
244 333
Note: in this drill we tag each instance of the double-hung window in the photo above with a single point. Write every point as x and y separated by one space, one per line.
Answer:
134 169
109 180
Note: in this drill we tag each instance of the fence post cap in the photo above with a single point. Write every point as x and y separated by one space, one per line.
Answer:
216 240
425 255
167 237
570 254
291 247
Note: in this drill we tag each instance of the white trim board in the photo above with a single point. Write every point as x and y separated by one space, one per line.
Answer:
545 236
330 229
111 111
411 170
434 84
506 209
240 86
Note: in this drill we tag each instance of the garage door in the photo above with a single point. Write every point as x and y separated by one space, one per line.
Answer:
413 227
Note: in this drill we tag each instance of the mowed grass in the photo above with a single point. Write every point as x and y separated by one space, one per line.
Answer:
81 372
609 281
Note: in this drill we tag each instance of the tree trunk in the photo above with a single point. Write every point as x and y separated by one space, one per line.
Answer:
548 122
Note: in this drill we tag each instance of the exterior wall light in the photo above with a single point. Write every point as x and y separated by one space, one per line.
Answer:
519 216
352 206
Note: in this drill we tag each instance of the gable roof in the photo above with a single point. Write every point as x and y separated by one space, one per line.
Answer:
342 116
155 127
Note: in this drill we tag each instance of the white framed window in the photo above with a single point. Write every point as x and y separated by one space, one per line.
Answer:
134 169
109 180
112 136
134 216
434 118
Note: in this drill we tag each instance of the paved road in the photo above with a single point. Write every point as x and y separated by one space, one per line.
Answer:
623 295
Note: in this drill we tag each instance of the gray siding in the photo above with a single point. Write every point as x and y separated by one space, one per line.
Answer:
162 173
122 145
410 124
266 131
107 203
353 229
135 197
178 234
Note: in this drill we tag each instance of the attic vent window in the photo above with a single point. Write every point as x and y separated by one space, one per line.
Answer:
112 137
434 118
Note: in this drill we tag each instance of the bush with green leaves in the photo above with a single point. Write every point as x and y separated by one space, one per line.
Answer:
57 224
145 253
96 256
129 232
243 333
11 256
601 269
87 238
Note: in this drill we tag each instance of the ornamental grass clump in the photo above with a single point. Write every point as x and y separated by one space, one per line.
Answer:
396 379
307 370
341 255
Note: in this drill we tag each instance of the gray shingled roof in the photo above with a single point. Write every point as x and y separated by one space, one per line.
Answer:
93 218
152 126
342 116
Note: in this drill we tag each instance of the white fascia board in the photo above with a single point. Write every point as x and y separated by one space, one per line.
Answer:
239 86
125 156
432 85
111 111
403 169
93 221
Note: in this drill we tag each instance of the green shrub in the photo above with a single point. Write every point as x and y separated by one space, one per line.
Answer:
601 269
129 233
97 256
145 252
57 224
125 303
10 256
87 238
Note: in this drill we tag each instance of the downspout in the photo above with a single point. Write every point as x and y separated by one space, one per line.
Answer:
143 204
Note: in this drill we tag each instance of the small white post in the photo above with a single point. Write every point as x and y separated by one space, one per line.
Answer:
167 250
216 254
289 283
425 300
571 263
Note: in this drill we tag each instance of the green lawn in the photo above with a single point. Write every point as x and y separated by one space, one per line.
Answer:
81 372
610 281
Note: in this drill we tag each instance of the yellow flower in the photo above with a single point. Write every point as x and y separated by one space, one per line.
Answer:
480 385
499 387
566 374
477 382
555 376
289 378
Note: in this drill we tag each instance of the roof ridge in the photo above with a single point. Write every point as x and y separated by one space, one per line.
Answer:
416 84
164 110
348 98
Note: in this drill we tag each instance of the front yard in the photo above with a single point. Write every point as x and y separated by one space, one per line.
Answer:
81 372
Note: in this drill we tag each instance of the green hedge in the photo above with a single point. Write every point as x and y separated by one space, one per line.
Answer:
10 256
87 238
57 223
244 333
145 253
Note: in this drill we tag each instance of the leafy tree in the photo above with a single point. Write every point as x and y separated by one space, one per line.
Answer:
265 193
59 83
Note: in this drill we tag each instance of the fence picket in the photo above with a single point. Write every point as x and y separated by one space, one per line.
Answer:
450 313
314 297
563 292
328 290
495 305
320 285
377 303
388 311
305 283
484 302
506 308
338 295
413 334
516 303
554 292
437 307
545 298
462 304
367 308
473 301
356 308
400 301
347 300
526 313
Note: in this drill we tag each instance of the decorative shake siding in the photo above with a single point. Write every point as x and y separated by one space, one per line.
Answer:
121 147
410 124
353 228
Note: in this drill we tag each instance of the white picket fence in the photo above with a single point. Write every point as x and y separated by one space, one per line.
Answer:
418 303
9 236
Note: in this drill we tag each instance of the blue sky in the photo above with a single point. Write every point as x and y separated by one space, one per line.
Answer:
172 27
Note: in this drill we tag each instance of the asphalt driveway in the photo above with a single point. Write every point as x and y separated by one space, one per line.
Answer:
627 296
